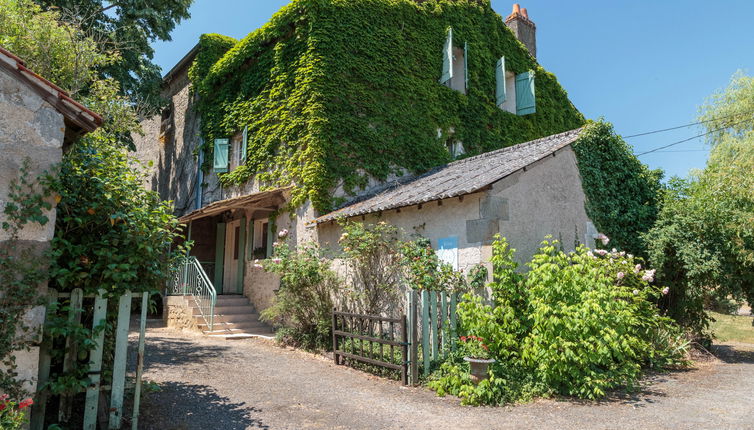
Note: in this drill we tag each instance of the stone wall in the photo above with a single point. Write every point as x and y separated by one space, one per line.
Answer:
260 286
30 129
177 314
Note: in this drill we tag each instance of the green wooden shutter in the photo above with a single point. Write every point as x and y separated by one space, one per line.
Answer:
244 143
525 99
221 155
466 64
447 58
500 81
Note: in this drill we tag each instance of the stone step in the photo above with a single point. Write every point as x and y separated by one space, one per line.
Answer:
222 318
231 300
241 325
227 310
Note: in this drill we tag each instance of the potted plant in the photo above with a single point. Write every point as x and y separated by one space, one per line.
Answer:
478 357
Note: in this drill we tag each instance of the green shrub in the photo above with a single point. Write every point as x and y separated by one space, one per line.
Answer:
303 305
13 414
576 324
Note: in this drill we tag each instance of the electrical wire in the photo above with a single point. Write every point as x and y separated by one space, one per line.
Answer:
692 138
687 125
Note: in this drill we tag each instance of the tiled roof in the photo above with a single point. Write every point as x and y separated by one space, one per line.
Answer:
74 112
455 179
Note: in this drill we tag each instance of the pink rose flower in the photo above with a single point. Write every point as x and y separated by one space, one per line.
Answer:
621 275
600 252
637 269
665 291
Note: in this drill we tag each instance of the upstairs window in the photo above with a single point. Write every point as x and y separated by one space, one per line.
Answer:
514 93
220 164
238 149
454 67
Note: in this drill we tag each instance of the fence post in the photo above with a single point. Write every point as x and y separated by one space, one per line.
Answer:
140 360
404 351
433 322
425 330
71 351
444 325
414 330
119 362
334 337
95 364
453 328
38 410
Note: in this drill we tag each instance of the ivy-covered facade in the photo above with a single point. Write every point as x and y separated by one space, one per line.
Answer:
332 99
331 93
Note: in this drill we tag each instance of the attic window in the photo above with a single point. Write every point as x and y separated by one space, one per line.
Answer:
454 67
514 93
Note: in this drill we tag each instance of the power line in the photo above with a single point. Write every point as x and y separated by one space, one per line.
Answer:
692 138
687 125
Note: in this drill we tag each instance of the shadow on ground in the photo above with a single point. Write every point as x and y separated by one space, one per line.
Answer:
734 353
166 351
179 406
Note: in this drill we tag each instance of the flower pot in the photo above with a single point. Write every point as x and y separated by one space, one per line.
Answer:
478 367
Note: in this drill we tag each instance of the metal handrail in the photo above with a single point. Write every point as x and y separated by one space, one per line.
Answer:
190 279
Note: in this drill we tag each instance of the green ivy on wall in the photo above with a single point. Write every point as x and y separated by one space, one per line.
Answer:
335 91
622 193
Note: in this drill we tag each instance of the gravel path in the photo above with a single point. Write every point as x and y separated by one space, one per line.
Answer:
250 384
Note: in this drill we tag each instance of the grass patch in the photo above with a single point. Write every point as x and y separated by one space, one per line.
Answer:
734 328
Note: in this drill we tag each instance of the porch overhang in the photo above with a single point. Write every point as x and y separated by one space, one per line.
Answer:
271 199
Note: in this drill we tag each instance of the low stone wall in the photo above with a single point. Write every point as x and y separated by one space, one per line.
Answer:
260 286
177 314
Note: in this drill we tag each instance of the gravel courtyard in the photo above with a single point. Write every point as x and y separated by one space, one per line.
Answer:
252 384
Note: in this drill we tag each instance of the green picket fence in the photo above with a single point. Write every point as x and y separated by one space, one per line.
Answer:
432 329
109 416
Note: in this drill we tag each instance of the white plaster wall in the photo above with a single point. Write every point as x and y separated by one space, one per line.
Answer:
546 199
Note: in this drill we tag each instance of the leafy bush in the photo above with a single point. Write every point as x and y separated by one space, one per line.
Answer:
303 305
579 323
372 258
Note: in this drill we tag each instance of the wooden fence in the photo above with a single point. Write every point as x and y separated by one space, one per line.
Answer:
432 315
431 324
375 330
112 416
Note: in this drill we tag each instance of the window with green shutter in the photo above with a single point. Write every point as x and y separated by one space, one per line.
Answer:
244 143
500 82
525 100
221 155
447 58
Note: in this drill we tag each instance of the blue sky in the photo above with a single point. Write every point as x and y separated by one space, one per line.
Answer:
643 65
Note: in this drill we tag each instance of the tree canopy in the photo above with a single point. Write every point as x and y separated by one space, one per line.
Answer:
128 26
703 242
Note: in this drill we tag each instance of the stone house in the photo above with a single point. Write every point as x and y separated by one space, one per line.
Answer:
300 124
38 121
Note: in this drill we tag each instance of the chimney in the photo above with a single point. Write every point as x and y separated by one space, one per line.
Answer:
524 29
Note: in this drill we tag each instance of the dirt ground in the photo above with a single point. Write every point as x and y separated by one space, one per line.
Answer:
253 384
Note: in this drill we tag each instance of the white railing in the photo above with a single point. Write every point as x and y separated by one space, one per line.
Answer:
191 280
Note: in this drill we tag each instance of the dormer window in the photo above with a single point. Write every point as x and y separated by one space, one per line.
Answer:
454 67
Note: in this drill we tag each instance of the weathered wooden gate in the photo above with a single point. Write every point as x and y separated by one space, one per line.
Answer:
117 389
432 315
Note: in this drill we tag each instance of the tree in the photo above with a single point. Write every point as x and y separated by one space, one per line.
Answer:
128 26
703 241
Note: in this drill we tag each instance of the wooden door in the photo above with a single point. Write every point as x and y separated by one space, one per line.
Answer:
232 257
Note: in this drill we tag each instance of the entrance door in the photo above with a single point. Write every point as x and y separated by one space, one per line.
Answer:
232 257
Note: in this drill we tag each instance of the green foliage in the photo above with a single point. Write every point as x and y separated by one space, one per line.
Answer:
61 52
22 270
474 347
622 193
110 233
336 91
576 324
703 241
303 305
372 258
129 27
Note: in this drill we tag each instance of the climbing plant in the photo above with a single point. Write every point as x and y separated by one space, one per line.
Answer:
336 91
622 193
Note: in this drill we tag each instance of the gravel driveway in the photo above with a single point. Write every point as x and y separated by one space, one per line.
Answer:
250 384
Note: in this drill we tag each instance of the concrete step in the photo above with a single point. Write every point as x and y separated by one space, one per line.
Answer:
241 325
229 318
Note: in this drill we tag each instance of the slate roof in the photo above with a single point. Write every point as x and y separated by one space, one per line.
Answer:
454 179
